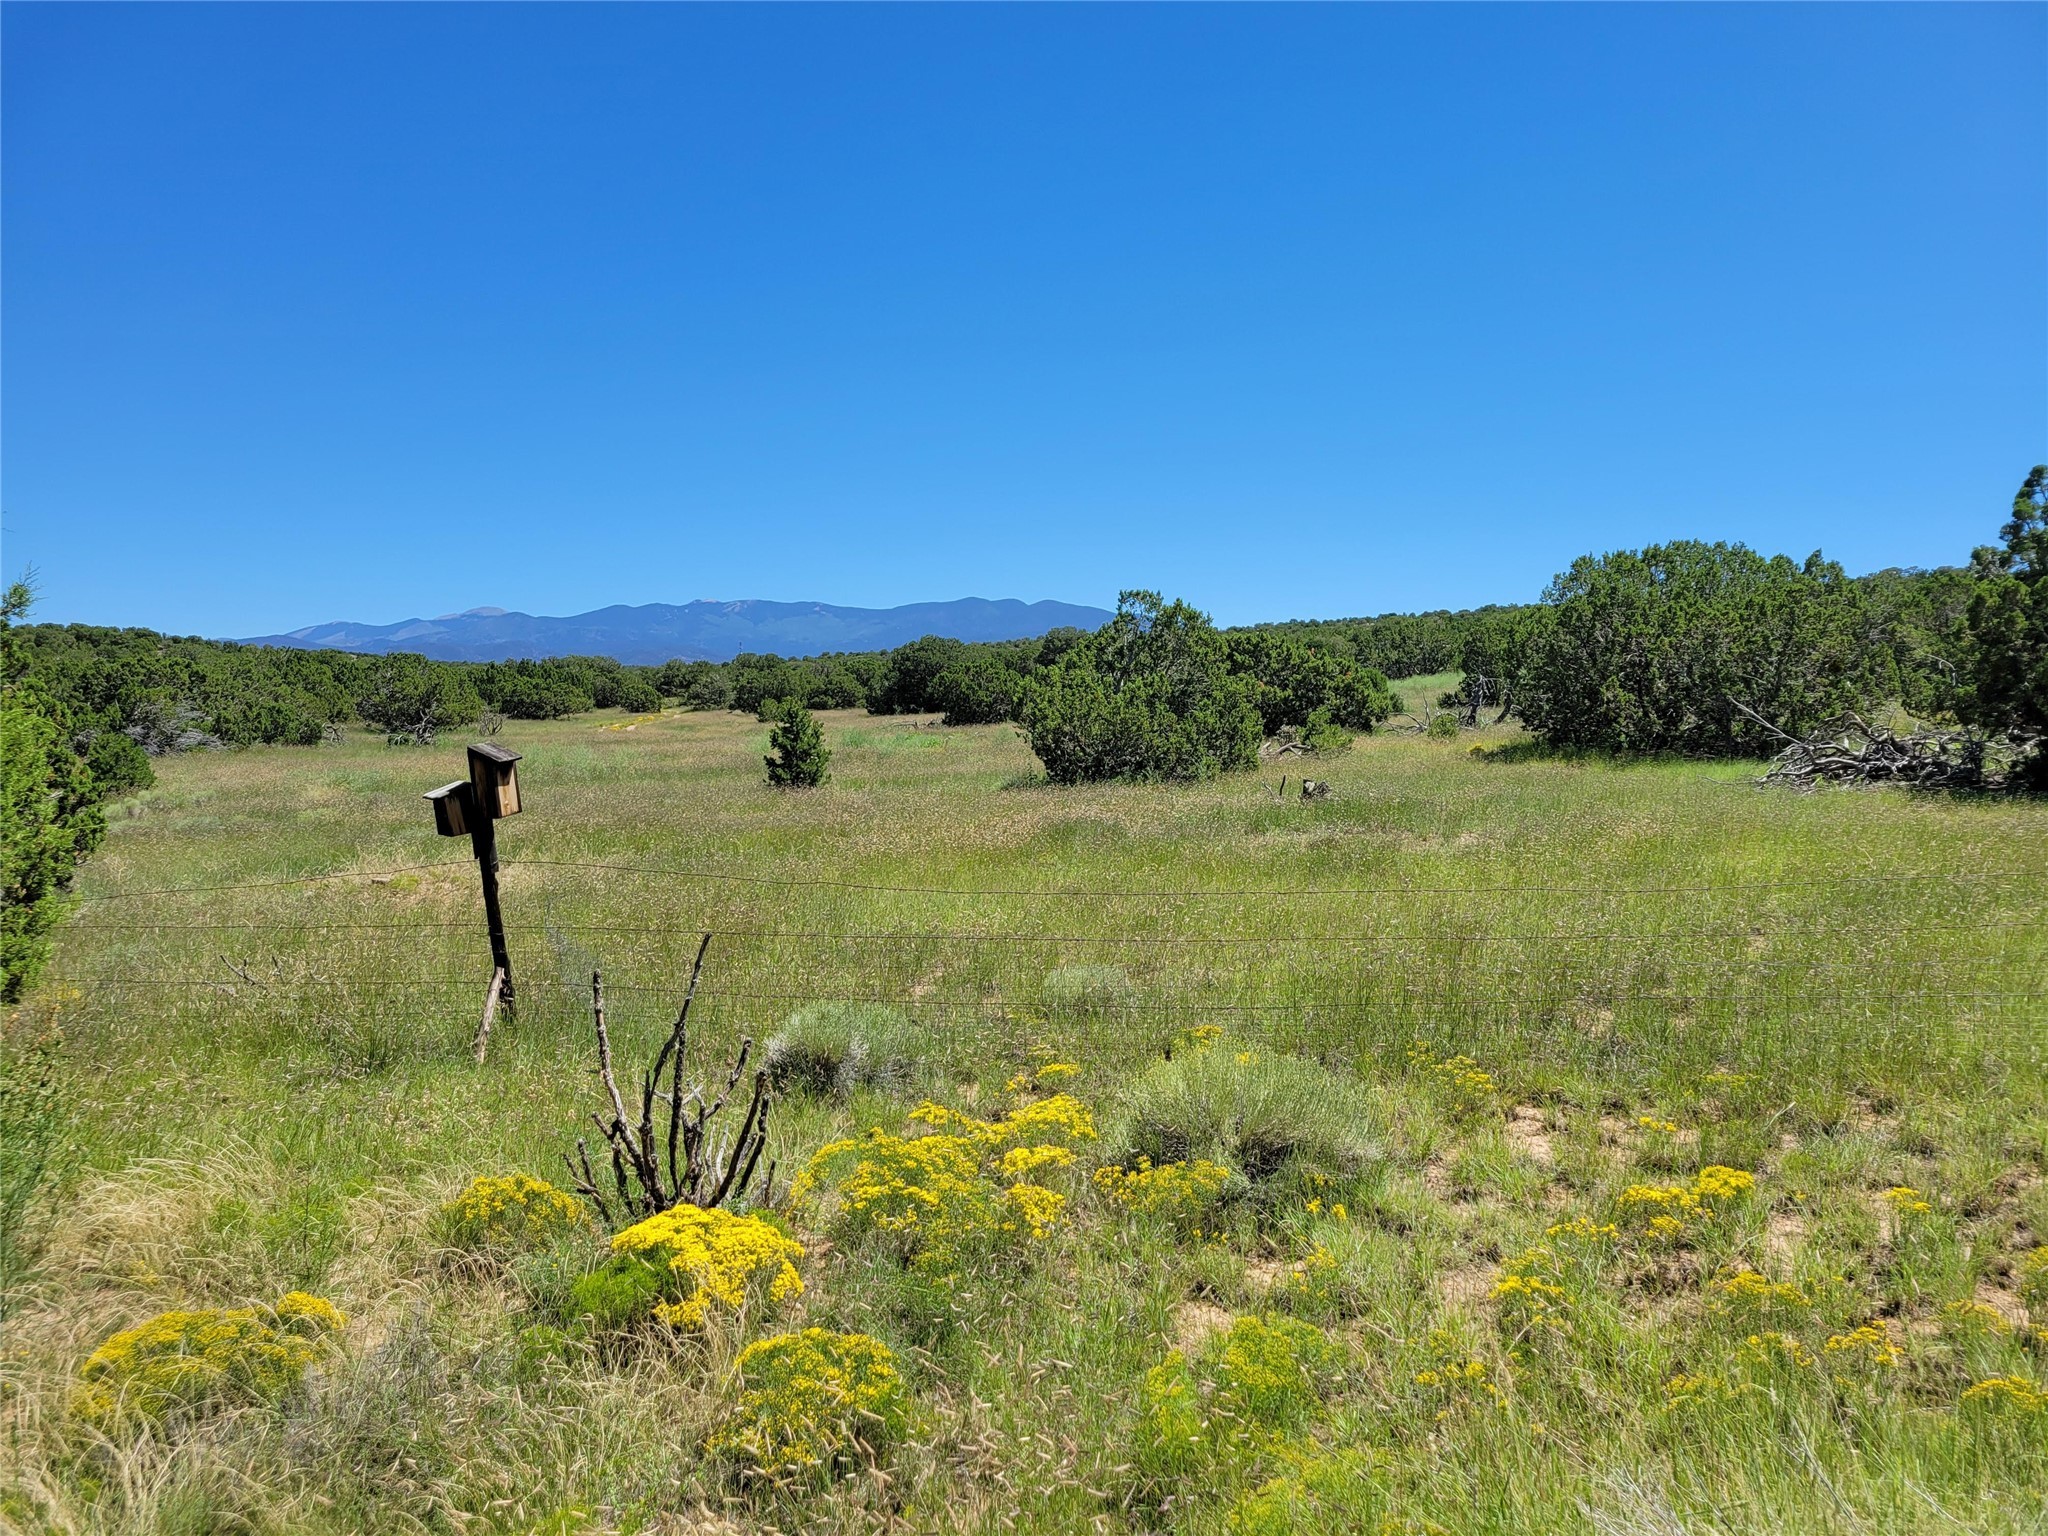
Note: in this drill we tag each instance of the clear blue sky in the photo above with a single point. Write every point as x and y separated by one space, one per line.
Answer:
367 311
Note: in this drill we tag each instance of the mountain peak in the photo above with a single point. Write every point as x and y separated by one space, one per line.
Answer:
704 630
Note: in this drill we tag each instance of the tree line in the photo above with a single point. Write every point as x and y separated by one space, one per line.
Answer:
1701 649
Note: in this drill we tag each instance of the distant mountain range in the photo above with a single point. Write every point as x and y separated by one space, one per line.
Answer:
699 631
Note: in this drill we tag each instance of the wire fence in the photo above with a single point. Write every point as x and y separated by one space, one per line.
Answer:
1571 966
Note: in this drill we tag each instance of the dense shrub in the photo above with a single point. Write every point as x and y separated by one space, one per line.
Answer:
690 1264
1256 1110
756 678
1292 679
829 683
812 1399
184 1362
412 697
836 1047
637 696
979 689
797 755
1655 650
49 807
911 673
2009 622
118 765
1148 696
511 1213
1495 655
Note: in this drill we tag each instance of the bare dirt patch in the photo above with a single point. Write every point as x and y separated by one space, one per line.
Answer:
1466 1286
1782 1236
2005 1303
1527 1132
1194 1322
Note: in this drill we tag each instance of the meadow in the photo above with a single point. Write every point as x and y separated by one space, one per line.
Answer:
1671 1156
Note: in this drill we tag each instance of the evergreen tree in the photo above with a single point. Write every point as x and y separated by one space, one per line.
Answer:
49 813
798 752
2009 622
1150 695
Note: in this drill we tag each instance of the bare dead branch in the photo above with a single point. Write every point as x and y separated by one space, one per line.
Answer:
705 1165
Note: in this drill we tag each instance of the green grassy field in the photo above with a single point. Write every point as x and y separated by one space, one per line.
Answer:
267 996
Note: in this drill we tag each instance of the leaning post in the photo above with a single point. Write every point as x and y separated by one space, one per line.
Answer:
494 787
474 806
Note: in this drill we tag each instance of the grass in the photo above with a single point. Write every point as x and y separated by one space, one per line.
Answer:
1619 975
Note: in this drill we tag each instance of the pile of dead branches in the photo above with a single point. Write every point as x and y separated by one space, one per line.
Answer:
1853 751
678 1152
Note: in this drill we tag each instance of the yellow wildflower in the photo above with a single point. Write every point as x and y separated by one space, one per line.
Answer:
812 1398
1746 1291
1020 1162
1181 1191
937 1195
1531 1294
1975 1317
713 1257
1779 1347
191 1360
1907 1200
1583 1229
2014 1394
1039 1207
1871 1344
511 1211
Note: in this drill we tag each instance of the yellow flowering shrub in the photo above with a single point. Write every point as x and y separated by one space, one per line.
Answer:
1471 1089
966 1185
1582 1229
512 1211
2006 1394
1052 1071
1872 1344
1775 1348
1022 1162
190 1360
1179 1192
1037 1207
1689 1390
1672 1212
1748 1295
1315 1278
1321 1490
1716 1183
711 1259
1261 1378
1974 1319
1457 1381
811 1399
1531 1293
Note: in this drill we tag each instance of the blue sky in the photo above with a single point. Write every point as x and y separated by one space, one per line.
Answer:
314 312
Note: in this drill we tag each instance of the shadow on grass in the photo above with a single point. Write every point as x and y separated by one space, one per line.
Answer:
1532 749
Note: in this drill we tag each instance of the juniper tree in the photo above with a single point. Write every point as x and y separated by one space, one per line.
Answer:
798 752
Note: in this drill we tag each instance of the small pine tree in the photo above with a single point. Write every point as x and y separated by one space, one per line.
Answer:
799 752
